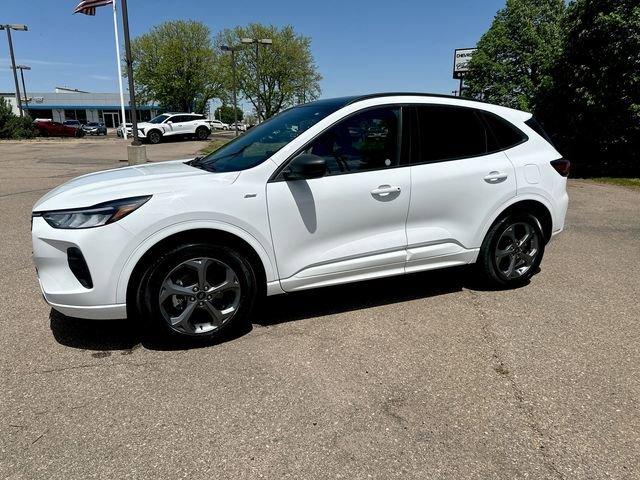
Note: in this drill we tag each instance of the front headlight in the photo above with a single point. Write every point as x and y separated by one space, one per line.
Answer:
95 216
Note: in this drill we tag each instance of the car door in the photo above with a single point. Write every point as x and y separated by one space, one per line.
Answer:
458 181
172 125
349 224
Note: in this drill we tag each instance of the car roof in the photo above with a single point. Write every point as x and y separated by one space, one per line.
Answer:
340 102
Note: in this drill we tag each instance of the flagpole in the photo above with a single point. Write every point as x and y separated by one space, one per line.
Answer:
119 63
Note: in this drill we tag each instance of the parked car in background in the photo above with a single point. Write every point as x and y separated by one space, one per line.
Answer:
218 125
73 123
330 192
56 129
174 125
120 130
94 128
241 127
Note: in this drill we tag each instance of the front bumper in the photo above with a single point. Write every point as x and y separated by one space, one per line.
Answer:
103 253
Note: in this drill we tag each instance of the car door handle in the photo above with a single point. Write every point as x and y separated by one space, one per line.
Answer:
384 190
495 177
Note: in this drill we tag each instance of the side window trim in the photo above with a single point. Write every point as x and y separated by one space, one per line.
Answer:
277 176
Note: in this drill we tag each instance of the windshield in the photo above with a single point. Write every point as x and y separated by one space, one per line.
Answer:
262 141
158 119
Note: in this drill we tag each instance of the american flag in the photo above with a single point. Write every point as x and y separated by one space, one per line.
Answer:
88 7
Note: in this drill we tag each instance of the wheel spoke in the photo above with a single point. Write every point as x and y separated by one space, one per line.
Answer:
170 288
216 315
527 258
501 253
512 265
230 283
182 320
200 265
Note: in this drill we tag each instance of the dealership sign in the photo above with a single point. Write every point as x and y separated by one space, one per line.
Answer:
461 61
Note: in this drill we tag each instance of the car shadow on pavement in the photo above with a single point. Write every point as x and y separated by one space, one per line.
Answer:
127 335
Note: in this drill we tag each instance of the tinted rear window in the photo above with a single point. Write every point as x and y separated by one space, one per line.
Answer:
536 127
503 134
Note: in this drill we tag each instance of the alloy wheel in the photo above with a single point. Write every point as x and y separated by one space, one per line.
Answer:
199 295
516 250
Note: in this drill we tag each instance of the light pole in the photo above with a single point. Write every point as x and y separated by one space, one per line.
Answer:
8 28
258 42
22 68
227 48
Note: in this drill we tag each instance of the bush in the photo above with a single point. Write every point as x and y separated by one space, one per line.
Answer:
12 126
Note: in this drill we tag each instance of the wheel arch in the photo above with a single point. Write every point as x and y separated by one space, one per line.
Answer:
134 268
538 206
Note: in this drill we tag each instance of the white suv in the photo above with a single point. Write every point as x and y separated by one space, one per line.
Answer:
174 125
330 192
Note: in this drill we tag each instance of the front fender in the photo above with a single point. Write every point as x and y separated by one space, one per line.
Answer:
265 253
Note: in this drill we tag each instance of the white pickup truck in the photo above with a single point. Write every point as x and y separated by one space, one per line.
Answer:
174 125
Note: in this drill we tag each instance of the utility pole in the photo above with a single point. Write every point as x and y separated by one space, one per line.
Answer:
258 42
8 28
136 152
227 48
129 60
22 68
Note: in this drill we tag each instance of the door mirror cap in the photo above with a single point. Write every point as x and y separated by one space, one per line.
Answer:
304 167
169 122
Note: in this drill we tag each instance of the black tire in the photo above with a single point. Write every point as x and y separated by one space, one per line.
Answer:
202 133
154 137
79 133
151 286
498 251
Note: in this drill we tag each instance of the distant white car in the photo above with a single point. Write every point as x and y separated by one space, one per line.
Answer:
218 125
174 125
241 127
120 130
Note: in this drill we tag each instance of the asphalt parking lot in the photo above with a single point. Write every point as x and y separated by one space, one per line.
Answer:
427 376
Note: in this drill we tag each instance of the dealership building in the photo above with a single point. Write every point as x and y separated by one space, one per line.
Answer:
70 104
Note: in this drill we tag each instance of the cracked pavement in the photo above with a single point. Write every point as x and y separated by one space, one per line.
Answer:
424 376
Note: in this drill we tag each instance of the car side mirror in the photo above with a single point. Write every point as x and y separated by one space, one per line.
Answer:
305 166
169 122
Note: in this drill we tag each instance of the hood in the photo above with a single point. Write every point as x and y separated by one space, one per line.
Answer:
147 179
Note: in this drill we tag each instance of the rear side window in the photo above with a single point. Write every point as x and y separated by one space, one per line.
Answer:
502 134
536 127
447 133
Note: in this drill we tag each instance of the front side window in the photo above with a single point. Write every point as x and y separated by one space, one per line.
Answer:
158 119
447 133
262 141
364 141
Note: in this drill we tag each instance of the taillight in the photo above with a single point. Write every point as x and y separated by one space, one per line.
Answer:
562 166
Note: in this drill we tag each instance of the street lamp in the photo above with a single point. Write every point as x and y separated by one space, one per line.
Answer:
227 48
8 28
258 42
22 68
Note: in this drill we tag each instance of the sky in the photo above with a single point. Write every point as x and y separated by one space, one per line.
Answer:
360 46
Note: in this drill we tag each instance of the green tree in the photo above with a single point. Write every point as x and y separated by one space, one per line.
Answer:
287 71
225 114
511 66
176 65
593 108
13 126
